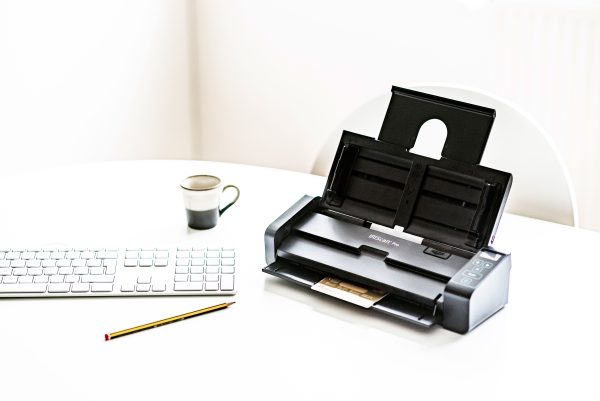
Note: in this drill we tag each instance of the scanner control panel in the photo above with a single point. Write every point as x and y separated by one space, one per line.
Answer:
478 267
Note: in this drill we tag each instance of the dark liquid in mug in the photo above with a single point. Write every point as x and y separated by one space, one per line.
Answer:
202 219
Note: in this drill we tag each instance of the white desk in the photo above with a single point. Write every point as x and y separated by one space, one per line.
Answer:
278 341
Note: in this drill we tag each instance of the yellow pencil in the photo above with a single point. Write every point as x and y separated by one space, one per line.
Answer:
166 321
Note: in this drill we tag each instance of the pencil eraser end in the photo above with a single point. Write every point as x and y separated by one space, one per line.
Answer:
106 337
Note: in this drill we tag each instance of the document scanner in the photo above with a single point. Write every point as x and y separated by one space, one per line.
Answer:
452 277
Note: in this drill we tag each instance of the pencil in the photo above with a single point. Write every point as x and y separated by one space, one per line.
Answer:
166 321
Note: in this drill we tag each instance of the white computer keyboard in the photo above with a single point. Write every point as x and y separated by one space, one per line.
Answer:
91 272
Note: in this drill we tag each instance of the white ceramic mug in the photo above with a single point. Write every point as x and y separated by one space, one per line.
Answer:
202 200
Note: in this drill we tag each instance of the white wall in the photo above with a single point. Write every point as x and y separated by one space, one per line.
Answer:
84 81
276 77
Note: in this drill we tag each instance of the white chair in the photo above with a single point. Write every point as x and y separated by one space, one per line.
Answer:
541 187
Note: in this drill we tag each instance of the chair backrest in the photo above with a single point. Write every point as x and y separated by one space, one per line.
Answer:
541 188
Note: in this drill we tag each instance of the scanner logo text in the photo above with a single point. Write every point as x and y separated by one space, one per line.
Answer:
383 240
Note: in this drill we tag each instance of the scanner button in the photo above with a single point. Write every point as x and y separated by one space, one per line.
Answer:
471 274
477 262
466 280
478 269
487 265
437 253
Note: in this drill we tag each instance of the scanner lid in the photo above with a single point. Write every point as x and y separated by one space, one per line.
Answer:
453 201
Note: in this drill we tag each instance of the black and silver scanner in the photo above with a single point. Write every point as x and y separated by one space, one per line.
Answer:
453 277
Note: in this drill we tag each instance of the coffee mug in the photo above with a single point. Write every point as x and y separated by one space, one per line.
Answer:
202 199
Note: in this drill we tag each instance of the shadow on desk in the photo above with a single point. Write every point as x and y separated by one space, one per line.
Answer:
321 303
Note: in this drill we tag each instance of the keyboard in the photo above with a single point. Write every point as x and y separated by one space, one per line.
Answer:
93 272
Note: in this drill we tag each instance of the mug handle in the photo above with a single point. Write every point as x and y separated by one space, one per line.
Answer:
237 196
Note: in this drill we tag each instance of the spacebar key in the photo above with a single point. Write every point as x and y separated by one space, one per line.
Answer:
35 288
189 286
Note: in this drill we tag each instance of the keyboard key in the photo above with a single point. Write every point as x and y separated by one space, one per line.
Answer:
183 262
227 269
27 255
212 277
12 255
71 279
197 262
227 283
196 277
144 279
107 255
4 263
65 270
127 288
161 262
183 254
197 254
212 269
63 263
94 262
20 272
161 255
17 263
48 263
181 277
228 262
57 279
102 287
73 255
34 263
146 255
110 270
130 263
145 262
40 279
197 270
183 248
189 286
57 255
181 270
10 279
43 255
35 271
211 286
81 270
97 270
88 255
213 254
142 287
97 279
131 255
212 262
80 287
5 271
227 254
2 254
79 263
159 287
50 271
22 288
58 288
26 279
